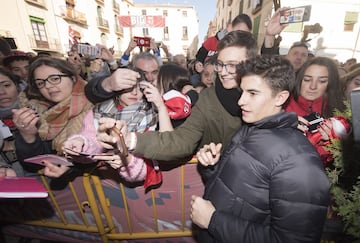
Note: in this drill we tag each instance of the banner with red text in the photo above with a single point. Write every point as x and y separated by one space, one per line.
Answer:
141 21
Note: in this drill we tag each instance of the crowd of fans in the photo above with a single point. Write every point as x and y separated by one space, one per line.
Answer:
133 113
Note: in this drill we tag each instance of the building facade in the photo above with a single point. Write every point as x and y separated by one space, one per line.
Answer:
54 25
339 37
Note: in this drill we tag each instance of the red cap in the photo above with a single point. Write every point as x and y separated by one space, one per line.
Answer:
16 55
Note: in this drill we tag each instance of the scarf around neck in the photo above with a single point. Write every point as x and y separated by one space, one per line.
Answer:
228 98
139 116
6 112
65 118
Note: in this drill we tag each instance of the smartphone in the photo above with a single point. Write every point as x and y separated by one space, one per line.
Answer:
142 41
314 119
295 15
91 51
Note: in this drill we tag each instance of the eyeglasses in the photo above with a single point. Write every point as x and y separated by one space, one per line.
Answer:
53 79
230 67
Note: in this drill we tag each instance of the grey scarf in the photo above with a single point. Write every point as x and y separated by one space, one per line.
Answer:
6 112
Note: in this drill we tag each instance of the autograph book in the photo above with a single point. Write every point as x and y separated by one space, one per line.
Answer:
21 187
52 158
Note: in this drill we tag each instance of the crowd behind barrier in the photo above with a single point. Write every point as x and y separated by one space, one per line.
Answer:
89 204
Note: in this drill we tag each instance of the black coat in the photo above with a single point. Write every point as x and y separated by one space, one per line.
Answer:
270 186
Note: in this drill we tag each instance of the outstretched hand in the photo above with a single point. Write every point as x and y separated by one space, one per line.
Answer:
274 27
121 79
106 137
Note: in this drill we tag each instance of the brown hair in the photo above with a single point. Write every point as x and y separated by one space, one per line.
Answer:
333 99
32 92
239 38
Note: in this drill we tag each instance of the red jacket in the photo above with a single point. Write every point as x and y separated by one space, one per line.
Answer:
341 126
303 107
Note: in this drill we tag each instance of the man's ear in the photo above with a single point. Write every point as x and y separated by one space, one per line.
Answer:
282 97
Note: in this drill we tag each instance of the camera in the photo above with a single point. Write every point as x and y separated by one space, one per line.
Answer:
294 15
314 119
142 41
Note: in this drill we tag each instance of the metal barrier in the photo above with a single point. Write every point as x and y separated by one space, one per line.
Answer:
92 202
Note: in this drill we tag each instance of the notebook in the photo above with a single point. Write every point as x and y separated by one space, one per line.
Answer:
21 187
54 159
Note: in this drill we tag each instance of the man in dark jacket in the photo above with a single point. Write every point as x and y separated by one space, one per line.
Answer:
270 185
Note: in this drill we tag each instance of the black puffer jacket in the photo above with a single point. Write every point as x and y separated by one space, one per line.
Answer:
270 187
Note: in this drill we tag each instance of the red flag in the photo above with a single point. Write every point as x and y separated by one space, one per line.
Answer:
72 38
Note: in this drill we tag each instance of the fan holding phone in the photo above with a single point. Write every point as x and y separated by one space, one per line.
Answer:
299 51
315 97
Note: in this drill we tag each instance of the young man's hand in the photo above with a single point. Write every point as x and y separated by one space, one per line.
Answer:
201 211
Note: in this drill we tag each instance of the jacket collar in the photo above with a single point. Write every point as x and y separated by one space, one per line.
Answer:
311 106
280 120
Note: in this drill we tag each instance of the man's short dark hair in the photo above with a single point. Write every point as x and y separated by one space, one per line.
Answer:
300 44
242 18
239 38
277 72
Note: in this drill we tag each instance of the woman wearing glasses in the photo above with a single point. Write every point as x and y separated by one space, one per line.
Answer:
54 108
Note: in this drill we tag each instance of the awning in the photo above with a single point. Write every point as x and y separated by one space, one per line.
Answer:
36 19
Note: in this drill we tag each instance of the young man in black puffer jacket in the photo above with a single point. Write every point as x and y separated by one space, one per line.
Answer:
269 185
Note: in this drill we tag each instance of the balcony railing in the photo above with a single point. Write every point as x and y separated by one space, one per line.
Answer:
103 23
116 6
71 2
39 3
71 14
100 1
49 45
119 30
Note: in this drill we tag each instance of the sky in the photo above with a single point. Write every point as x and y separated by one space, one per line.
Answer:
205 9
